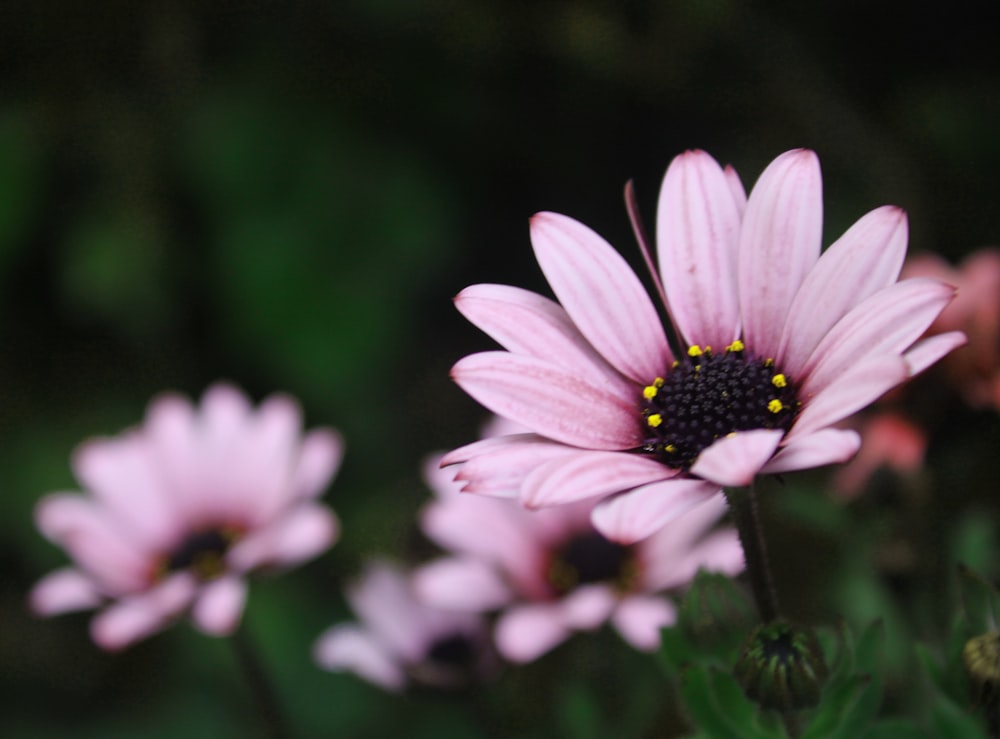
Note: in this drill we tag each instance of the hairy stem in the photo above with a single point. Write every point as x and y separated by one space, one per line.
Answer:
743 504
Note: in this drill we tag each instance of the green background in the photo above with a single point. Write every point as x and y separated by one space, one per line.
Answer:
288 195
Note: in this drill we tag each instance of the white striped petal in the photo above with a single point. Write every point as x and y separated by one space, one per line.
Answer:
602 295
697 233
866 259
549 400
632 516
779 243
587 474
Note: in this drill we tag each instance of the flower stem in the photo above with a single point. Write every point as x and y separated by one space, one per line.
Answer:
743 504
273 718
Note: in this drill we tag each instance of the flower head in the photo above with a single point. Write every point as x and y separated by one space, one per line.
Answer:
772 344
401 639
178 511
552 573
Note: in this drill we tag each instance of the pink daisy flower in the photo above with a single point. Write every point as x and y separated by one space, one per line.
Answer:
178 511
552 573
773 344
401 639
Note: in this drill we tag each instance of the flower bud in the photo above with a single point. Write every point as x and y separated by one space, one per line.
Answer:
981 656
782 667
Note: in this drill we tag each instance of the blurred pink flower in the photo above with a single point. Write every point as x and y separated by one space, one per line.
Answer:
179 510
780 343
974 369
890 440
401 639
553 573
895 432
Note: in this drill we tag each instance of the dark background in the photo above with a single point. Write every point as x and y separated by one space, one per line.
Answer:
288 194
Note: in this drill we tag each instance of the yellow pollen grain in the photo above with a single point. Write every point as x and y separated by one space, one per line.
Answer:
775 406
779 380
675 365
649 392
769 362
694 351
654 420
670 448
736 346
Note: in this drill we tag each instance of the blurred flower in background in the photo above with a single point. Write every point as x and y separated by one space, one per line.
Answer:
896 430
779 344
399 638
973 370
552 573
179 510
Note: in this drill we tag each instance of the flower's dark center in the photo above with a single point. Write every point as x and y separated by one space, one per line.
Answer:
589 558
707 396
455 650
202 553
452 660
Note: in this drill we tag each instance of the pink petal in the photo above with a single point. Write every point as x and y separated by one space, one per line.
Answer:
96 541
588 606
927 352
524 322
720 551
602 295
319 458
586 474
136 617
224 411
850 392
673 540
440 479
347 647
736 188
827 446
734 460
121 474
173 432
697 232
63 591
247 465
383 600
886 323
524 633
779 244
502 472
640 619
866 259
219 605
462 584
634 515
549 400
496 531
300 535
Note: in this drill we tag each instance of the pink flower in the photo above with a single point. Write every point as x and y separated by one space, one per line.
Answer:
400 638
552 573
778 344
181 509
890 440
973 370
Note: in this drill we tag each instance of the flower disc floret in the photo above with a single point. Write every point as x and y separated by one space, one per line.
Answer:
706 396
588 558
